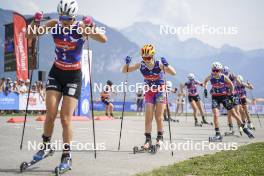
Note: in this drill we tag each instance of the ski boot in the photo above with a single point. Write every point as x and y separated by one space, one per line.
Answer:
240 129
197 124
159 140
216 138
106 114
112 115
248 132
40 155
251 126
65 165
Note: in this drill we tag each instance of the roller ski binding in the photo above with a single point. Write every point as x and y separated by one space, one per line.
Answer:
251 126
216 138
65 165
39 156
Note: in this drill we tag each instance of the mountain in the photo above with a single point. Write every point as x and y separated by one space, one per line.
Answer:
193 55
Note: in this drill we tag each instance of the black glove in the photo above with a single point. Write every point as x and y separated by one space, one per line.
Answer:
205 93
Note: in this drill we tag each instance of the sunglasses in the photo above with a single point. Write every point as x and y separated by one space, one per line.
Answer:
147 58
65 18
215 71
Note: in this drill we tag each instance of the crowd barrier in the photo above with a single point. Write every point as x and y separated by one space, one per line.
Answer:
15 101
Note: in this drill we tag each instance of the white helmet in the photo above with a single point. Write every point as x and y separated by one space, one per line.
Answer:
240 78
191 76
217 65
226 70
67 7
169 84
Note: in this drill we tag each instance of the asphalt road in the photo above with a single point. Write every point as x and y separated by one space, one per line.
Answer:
109 161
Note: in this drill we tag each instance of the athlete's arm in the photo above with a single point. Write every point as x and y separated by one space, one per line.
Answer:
33 28
229 82
205 84
164 65
248 85
91 31
130 68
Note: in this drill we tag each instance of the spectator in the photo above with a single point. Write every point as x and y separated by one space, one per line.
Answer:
41 90
15 87
2 85
8 87
23 88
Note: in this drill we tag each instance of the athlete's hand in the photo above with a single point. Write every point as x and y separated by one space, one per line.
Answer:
164 62
205 93
38 16
88 21
128 59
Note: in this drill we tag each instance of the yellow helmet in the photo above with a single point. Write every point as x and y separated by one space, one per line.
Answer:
147 50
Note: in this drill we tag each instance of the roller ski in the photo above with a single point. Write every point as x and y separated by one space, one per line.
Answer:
147 147
197 124
216 138
231 133
65 165
39 156
248 132
172 120
206 123
143 149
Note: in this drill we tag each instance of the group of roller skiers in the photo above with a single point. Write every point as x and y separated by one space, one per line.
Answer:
65 79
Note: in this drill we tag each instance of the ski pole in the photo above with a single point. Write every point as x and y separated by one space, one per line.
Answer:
167 107
252 97
35 54
91 94
123 109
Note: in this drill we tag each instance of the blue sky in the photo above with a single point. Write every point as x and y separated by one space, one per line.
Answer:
247 15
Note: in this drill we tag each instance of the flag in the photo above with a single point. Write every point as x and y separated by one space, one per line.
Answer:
20 44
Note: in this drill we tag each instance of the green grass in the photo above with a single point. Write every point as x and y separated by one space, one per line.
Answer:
246 161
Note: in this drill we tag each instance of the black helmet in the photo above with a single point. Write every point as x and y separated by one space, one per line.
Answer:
109 83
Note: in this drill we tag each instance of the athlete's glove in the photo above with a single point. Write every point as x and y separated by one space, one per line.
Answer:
38 17
164 62
205 93
128 59
88 21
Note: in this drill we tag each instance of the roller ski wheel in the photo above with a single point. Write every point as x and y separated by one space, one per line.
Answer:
24 165
217 138
151 149
64 166
135 149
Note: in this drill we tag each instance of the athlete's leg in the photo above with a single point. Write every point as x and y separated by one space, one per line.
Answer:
198 104
67 110
194 110
160 107
52 102
149 117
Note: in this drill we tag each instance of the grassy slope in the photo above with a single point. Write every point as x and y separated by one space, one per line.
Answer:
247 160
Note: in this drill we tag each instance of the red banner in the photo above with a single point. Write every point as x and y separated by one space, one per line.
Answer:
20 43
